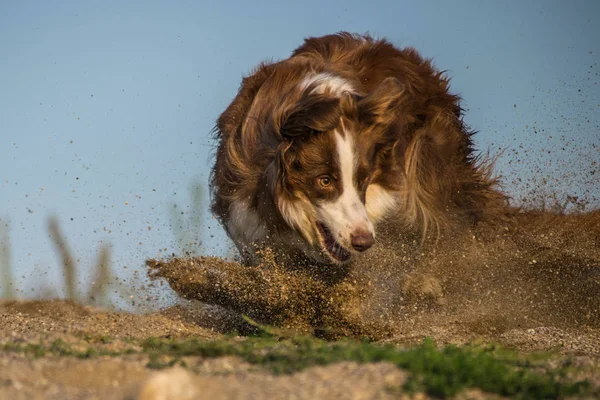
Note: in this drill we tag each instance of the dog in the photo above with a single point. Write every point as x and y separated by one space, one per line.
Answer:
316 151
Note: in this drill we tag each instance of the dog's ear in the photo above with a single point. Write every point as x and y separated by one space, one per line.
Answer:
382 106
312 114
231 120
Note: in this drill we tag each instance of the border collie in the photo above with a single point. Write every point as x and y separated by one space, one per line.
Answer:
317 150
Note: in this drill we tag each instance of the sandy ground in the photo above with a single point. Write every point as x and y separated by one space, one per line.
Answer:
532 284
127 377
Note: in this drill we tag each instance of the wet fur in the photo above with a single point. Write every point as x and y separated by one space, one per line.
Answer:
413 143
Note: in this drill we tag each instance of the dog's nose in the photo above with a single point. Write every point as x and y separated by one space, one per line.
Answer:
362 240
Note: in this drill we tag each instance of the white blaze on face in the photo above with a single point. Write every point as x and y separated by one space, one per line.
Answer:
346 214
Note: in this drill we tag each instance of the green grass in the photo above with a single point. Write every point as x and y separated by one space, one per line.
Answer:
61 348
439 372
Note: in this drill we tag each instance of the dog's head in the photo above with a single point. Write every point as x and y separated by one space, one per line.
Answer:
329 141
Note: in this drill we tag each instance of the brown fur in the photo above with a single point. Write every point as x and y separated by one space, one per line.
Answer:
411 136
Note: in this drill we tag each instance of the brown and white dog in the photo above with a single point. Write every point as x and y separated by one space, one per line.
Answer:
318 149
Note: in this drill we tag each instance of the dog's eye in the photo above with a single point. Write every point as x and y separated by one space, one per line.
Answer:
325 181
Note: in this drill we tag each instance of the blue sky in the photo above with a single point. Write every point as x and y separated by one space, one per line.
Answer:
106 107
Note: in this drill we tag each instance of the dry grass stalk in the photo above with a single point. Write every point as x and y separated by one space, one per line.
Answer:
68 261
8 291
98 289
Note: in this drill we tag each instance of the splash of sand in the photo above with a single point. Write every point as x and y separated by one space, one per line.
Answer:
536 269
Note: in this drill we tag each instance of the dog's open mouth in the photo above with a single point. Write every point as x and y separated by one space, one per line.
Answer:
335 250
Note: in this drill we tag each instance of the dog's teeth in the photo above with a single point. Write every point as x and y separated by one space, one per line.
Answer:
332 246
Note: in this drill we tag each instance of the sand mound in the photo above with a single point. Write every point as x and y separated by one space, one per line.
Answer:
529 279
50 320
